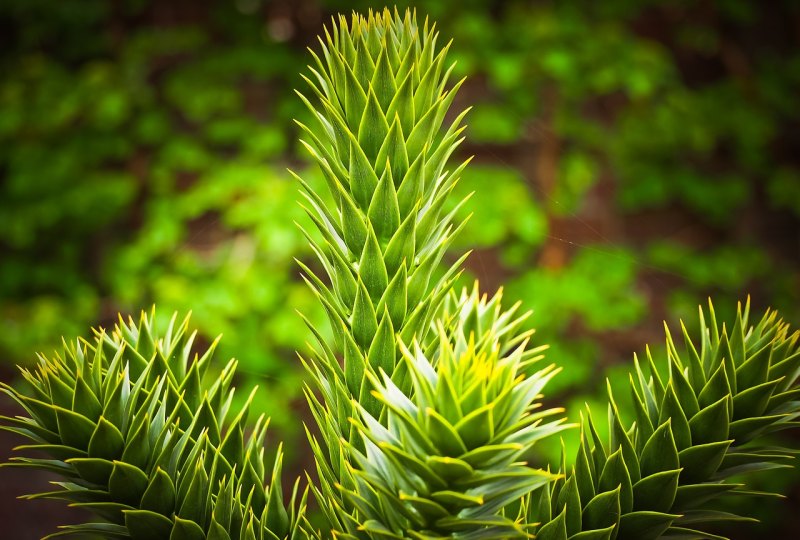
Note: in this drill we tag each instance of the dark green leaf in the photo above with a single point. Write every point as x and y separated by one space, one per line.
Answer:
602 511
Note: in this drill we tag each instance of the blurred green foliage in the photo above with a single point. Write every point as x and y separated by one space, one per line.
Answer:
145 162
632 157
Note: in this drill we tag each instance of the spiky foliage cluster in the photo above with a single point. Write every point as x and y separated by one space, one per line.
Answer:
377 135
474 316
378 139
451 445
695 429
451 456
140 440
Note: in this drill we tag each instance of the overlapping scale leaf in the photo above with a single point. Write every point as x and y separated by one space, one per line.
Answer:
450 455
145 444
693 431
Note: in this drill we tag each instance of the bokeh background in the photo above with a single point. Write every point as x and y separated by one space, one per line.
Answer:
631 158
